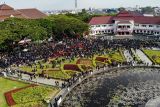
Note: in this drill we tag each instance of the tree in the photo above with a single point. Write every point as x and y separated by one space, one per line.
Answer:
148 10
5 36
68 25
121 9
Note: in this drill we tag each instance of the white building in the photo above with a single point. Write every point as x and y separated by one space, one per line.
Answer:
125 23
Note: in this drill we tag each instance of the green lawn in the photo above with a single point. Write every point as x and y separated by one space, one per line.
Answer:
7 85
32 96
154 55
117 56
57 74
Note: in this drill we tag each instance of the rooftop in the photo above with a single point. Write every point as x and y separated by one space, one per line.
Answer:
7 11
125 16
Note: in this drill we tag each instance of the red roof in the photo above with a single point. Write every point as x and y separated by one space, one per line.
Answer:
147 20
32 13
5 7
125 16
101 20
122 22
7 11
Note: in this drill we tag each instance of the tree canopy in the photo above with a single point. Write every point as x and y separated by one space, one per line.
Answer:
13 30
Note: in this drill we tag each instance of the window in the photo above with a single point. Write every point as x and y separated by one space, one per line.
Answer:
112 31
158 26
97 25
110 25
104 25
136 24
143 25
119 26
92 26
150 25
127 33
128 26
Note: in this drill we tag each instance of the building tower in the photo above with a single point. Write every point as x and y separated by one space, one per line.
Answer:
75 4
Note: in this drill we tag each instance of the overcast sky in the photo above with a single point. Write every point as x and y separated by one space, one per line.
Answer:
69 4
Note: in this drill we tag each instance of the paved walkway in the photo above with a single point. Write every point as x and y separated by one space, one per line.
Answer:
128 56
39 80
143 57
153 103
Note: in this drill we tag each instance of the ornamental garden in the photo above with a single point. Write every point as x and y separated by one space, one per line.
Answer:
20 94
60 68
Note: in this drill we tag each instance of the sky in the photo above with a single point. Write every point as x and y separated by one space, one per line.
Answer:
69 4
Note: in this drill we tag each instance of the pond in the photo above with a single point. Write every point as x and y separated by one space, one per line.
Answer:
125 87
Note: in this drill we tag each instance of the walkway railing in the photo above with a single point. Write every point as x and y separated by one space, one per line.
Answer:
58 99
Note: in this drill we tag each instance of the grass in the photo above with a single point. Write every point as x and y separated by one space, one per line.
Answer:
117 56
29 69
154 55
57 74
34 94
7 85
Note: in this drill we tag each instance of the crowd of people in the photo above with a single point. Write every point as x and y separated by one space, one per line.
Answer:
69 48
29 53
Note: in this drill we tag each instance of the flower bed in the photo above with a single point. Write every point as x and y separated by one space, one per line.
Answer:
101 59
87 62
34 94
72 67
8 95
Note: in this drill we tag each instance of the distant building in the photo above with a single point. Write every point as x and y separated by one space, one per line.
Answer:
125 23
157 11
7 12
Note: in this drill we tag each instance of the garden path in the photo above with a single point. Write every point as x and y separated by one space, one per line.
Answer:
153 103
128 56
143 57
40 80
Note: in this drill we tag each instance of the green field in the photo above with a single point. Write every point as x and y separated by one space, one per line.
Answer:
154 55
7 85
